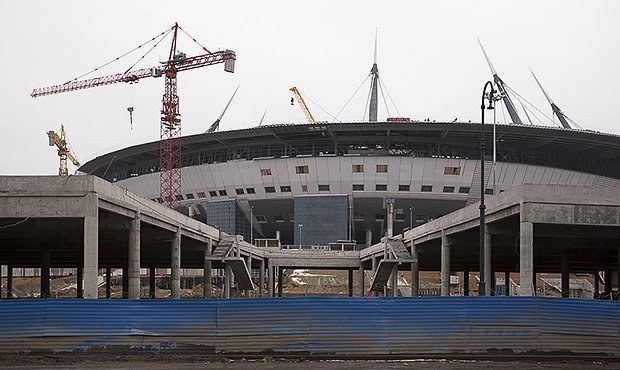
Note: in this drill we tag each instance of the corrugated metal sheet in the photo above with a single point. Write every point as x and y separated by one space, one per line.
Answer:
314 325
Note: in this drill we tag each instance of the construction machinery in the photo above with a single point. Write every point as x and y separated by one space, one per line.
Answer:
302 104
61 142
170 161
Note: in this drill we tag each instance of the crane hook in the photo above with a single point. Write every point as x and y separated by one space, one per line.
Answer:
130 110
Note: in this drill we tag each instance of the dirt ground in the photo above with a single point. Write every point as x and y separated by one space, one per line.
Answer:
180 363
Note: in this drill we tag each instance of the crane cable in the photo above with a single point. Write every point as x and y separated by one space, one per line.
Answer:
164 33
196 41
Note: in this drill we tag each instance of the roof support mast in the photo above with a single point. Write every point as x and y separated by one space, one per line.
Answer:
512 111
558 112
374 88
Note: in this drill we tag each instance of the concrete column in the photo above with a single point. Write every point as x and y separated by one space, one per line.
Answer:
394 277
125 281
9 281
368 238
607 282
280 280
350 282
108 282
362 281
227 280
152 282
80 282
175 267
596 285
91 247
466 282
261 278
526 259
248 263
206 275
507 283
415 271
445 264
133 262
489 277
45 273
565 274
270 279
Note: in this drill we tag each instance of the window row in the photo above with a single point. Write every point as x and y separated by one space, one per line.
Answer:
359 168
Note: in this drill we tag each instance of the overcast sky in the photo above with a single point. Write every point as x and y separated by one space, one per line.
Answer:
429 61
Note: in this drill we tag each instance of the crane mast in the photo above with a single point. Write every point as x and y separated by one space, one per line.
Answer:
170 161
302 104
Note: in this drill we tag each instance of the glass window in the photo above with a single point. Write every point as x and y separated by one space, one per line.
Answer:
285 189
358 168
265 171
381 187
178 197
427 188
382 168
464 190
404 187
223 193
213 193
250 190
448 189
452 170
323 187
189 196
358 187
270 189
239 191
301 169
304 188
201 194
278 218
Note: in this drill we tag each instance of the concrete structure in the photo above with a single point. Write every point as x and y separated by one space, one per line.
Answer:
433 168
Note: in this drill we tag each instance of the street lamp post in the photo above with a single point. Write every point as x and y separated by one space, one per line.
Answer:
410 218
252 225
489 96
300 226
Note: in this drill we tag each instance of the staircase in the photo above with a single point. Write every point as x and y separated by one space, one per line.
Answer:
242 275
474 189
397 254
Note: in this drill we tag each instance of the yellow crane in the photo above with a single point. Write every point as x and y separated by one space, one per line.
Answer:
62 143
302 104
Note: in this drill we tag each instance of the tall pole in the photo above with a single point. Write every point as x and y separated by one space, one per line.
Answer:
300 226
252 225
482 285
410 218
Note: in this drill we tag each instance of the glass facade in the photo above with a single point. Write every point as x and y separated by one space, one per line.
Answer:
324 219
229 218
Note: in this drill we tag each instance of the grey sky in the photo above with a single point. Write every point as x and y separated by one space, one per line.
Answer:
429 59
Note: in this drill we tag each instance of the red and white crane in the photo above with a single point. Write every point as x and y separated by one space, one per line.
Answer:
170 162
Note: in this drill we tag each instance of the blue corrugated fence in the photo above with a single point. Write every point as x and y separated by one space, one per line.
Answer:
314 325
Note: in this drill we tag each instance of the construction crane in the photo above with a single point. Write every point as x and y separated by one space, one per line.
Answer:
62 143
302 104
170 161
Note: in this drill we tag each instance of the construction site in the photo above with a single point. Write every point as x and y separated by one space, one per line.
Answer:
381 239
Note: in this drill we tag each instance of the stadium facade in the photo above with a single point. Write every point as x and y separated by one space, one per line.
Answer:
429 169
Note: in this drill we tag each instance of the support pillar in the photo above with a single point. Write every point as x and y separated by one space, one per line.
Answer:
489 277
9 281
80 282
445 264
607 282
507 283
133 260
270 280
350 282
374 271
227 280
394 277
152 282
362 281
526 259
261 278
206 275
175 267
91 247
45 273
368 238
415 271
596 285
565 274
248 263
466 282
280 280
108 282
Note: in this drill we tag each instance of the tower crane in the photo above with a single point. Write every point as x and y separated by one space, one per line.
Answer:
302 104
62 143
170 161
